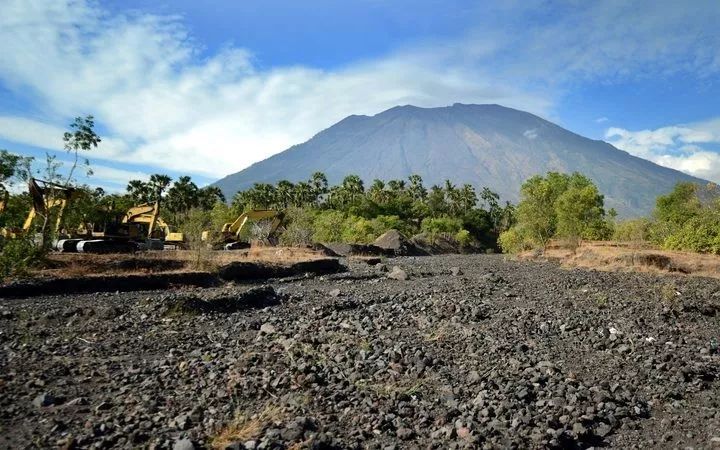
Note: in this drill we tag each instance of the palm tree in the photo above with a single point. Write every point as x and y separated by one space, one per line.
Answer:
138 190
467 197
284 193
377 191
158 183
416 190
319 184
182 196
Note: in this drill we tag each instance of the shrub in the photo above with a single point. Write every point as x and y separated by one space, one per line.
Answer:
436 226
699 234
300 227
357 230
19 255
633 230
193 226
329 226
515 240
463 238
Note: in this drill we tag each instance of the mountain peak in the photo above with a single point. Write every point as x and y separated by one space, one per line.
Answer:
483 145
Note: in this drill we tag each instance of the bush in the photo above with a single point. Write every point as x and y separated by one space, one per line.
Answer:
515 240
634 230
463 238
195 223
329 226
434 227
699 234
300 227
19 255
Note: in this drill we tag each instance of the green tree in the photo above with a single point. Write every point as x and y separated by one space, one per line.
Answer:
13 167
81 137
557 204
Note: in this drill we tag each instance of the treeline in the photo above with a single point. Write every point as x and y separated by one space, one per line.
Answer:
565 207
352 212
569 208
688 218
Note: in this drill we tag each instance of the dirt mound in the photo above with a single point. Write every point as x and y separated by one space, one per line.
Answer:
358 249
223 302
242 271
658 261
396 242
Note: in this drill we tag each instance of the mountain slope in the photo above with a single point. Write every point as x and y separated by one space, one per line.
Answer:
485 145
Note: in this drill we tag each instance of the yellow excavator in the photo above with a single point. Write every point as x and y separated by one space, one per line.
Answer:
47 198
231 235
140 228
144 220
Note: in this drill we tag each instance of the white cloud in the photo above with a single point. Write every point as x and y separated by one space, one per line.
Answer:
601 120
167 104
531 134
679 146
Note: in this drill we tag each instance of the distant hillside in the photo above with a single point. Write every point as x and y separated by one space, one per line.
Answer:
485 145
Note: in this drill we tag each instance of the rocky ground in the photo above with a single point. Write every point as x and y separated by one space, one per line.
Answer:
467 352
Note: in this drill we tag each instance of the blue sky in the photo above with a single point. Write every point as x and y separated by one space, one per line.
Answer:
207 88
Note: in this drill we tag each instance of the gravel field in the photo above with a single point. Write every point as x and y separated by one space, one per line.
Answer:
468 352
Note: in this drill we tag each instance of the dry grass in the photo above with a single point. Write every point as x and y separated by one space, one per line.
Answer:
71 265
243 428
630 257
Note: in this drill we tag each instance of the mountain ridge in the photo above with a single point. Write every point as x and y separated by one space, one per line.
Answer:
484 145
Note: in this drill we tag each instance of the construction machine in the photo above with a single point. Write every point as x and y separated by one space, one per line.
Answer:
140 228
47 199
231 236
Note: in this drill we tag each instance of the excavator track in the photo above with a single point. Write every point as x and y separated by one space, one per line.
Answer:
106 246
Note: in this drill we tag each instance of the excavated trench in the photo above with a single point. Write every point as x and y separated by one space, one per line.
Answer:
233 272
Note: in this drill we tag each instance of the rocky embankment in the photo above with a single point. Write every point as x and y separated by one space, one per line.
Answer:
450 352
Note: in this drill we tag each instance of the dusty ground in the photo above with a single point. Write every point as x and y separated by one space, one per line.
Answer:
66 265
630 257
469 352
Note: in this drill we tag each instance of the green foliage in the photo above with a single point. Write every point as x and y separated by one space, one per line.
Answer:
633 230
329 226
580 214
81 137
299 228
19 255
557 205
515 240
439 225
687 219
463 238
13 167
679 205
700 233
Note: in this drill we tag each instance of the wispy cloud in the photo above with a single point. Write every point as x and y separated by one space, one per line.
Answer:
682 147
601 120
166 103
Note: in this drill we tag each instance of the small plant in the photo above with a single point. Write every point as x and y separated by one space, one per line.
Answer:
668 293
18 256
601 300
243 428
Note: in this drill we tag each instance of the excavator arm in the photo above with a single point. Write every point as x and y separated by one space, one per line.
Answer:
231 232
235 228
43 203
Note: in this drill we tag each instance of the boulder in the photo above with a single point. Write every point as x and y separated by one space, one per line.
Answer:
393 240
397 274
